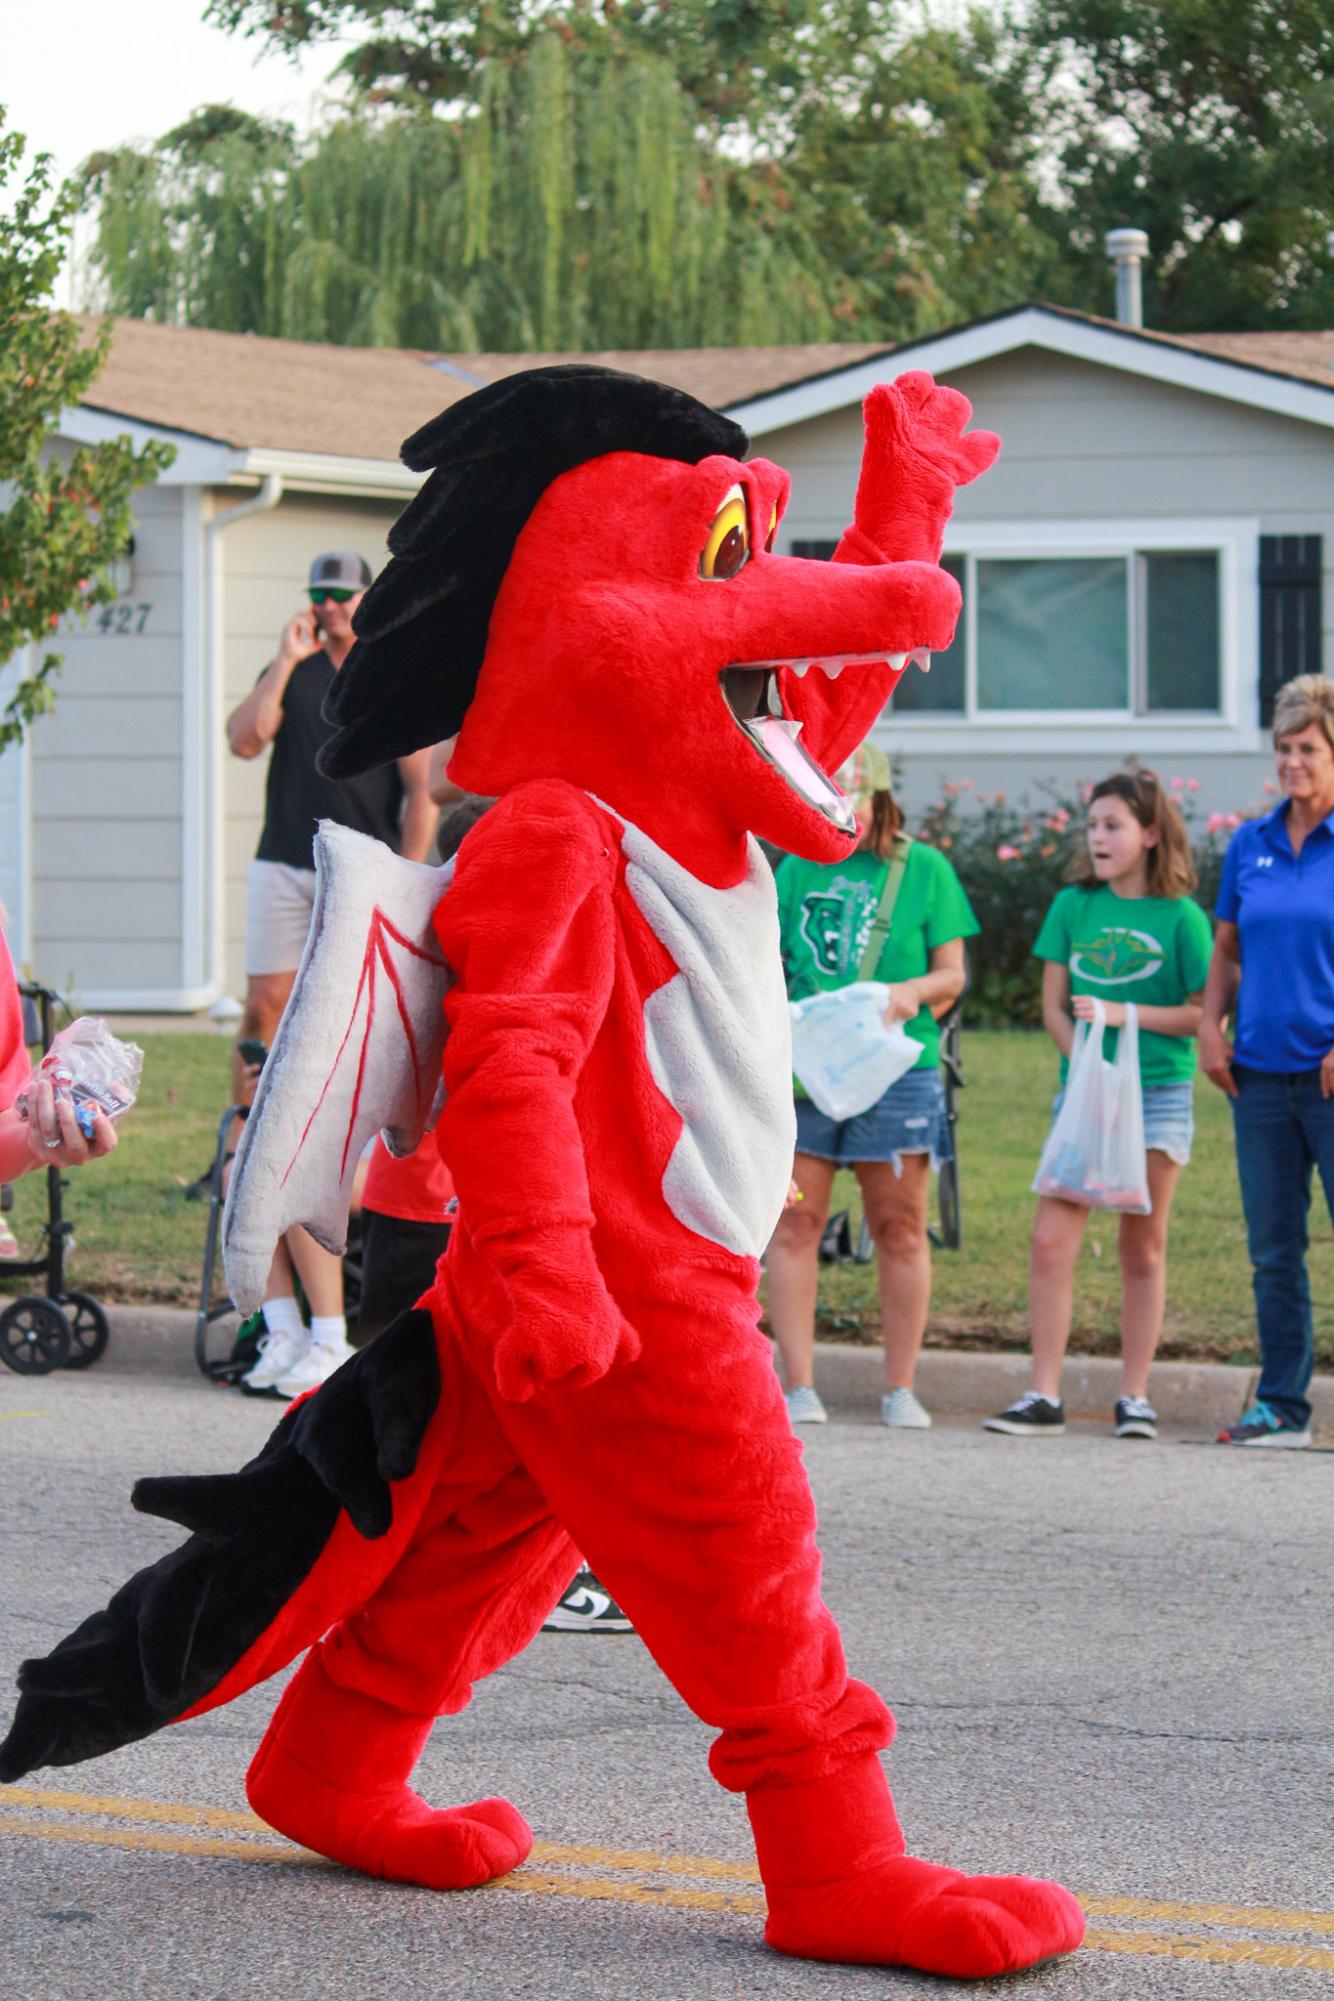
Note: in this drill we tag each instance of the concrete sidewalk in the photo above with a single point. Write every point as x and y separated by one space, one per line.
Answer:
1189 1396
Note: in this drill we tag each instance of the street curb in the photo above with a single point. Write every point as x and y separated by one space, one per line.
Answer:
159 1341
965 1383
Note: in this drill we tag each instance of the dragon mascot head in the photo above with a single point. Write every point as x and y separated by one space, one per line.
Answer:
587 587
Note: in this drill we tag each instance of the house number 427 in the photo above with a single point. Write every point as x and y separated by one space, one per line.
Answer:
119 621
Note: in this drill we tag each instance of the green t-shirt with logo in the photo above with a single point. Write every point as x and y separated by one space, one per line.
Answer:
825 910
1153 950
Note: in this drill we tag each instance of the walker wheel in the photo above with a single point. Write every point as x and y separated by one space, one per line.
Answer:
951 1222
35 1336
89 1331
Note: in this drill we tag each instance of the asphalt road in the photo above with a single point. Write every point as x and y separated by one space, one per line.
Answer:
1110 1662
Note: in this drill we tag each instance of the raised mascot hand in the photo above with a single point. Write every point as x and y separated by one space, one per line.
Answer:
916 452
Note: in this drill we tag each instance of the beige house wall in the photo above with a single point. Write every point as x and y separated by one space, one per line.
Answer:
263 563
105 829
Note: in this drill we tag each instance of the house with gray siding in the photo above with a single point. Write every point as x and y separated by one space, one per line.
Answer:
1148 561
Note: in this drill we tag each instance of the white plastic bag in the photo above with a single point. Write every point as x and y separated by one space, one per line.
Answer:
842 1051
91 1067
1095 1150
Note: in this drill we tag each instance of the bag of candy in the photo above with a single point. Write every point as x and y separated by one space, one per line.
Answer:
90 1066
1095 1150
842 1051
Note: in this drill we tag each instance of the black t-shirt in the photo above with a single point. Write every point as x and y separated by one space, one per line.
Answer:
297 796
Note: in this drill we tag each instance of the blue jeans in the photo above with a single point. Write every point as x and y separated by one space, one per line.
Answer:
1284 1128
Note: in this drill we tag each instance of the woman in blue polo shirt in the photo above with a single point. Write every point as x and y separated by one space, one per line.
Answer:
1273 971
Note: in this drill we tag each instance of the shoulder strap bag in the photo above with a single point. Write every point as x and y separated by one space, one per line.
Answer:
884 916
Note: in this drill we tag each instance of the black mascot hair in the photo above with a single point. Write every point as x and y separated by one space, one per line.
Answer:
422 626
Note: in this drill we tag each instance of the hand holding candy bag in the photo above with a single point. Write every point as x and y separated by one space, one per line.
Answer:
90 1067
842 1051
1095 1150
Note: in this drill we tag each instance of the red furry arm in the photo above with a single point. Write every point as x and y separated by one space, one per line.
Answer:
528 928
914 456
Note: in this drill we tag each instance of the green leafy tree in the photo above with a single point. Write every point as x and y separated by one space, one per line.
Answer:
949 170
574 207
66 516
923 179
741 62
1210 127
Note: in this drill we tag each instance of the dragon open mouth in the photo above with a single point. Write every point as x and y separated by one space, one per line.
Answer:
751 693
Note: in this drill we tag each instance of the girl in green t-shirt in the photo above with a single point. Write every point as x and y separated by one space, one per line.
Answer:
825 913
1127 929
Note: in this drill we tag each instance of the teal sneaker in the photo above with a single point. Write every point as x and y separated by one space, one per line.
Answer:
1263 1425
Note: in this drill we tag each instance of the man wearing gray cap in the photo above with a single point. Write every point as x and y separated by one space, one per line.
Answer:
285 708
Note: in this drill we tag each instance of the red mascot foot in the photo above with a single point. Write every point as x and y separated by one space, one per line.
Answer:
839 1886
332 1774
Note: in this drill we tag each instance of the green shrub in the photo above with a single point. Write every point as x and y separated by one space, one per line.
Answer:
1012 857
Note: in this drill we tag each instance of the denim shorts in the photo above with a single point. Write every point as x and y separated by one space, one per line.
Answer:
1169 1118
909 1118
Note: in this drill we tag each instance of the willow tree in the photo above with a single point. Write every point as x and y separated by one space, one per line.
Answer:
572 205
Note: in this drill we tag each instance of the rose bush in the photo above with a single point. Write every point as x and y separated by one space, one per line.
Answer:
1012 857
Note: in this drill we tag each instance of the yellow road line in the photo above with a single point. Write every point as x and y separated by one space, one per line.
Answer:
5 1415
158 1844
535 1881
600 1889
1251 1917
113 1807
1218 1952
708 1866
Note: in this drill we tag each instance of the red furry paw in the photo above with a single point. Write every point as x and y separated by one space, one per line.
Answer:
903 1912
390 1831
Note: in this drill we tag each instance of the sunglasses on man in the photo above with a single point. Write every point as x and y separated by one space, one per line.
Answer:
327 593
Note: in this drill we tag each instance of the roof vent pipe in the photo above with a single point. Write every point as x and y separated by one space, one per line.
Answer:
1126 248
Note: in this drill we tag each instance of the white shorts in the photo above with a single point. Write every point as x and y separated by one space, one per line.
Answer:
278 903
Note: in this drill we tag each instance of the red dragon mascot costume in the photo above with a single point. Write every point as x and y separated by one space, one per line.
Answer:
585 590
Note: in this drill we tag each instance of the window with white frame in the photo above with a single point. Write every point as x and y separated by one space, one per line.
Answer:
1094 630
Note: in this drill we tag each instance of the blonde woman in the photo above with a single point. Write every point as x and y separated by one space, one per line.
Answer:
1273 972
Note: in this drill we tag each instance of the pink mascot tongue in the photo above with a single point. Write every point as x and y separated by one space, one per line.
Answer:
587 592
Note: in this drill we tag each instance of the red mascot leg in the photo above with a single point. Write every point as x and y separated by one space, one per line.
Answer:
332 1771
484 1568
840 1886
681 1481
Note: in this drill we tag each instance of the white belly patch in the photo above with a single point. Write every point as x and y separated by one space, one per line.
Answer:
719 1045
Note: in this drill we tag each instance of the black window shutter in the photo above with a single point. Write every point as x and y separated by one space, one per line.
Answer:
1289 613
819 552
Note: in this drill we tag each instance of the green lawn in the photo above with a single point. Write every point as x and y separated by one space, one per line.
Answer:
980 1291
138 1239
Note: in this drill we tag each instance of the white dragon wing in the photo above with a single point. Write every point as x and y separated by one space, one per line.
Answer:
357 1052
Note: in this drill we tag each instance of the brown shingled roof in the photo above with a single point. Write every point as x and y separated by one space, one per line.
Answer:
361 402
1307 357
299 396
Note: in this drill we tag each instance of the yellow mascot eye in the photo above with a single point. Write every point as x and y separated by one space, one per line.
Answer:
729 539
773 529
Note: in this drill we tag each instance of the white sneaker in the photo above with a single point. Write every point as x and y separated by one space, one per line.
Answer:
900 1410
316 1366
804 1406
277 1354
